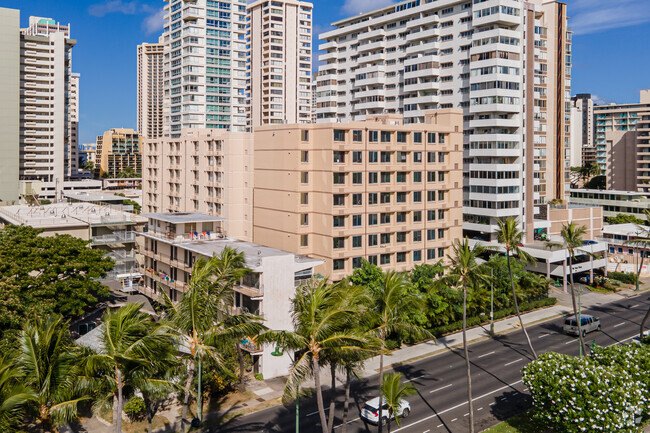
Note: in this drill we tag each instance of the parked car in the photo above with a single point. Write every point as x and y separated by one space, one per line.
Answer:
588 324
637 340
370 411
584 280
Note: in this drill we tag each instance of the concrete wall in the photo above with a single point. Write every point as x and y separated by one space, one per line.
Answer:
621 170
589 217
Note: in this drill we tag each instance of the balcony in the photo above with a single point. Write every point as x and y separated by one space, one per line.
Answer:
165 279
185 237
250 347
114 238
254 292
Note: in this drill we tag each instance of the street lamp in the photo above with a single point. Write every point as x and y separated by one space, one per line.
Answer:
278 352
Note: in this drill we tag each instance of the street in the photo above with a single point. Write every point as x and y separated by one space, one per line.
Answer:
441 402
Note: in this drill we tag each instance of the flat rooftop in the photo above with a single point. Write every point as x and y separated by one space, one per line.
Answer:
611 192
627 229
63 215
92 196
183 217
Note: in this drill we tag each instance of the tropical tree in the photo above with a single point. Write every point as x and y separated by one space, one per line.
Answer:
572 238
13 395
510 236
132 346
464 270
48 361
393 393
321 318
642 243
393 305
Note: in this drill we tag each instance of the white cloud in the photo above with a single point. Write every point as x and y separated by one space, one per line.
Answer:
592 16
154 22
359 6
113 6
599 100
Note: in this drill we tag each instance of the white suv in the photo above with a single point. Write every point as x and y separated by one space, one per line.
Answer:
370 411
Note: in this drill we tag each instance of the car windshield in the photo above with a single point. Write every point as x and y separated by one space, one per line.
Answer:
369 407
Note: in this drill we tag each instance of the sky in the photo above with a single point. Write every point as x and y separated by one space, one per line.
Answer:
611 53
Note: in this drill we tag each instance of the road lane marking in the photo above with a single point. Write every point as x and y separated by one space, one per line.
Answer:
620 324
349 422
458 405
440 425
543 335
480 408
415 378
314 413
525 389
634 306
486 354
454 419
426 431
467 414
512 362
440 389
570 341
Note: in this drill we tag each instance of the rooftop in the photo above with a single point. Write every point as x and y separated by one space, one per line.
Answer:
611 192
182 217
627 229
92 197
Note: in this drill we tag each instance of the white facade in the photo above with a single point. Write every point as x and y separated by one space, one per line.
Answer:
73 126
150 90
576 135
419 55
204 65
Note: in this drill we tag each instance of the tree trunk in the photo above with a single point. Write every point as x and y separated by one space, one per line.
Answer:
346 401
115 411
120 401
467 365
638 272
149 423
516 304
330 421
381 380
643 322
319 394
575 307
242 385
186 399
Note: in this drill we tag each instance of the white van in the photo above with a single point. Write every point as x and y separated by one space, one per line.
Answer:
588 323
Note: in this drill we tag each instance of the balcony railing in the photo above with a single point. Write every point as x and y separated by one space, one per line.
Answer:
165 279
182 237
114 238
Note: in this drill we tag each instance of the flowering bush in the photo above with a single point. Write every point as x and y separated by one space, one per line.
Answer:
600 393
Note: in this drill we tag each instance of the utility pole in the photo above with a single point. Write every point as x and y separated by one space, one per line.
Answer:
492 302
636 264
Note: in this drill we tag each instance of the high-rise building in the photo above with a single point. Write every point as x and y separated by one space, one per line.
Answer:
204 66
47 113
506 63
582 127
280 58
205 170
118 150
576 153
375 190
10 106
643 152
150 89
616 142
73 126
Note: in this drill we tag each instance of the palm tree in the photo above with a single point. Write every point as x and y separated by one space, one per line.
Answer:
642 243
321 319
48 361
14 396
393 393
393 306
465 270
511 237
352 369
132 344
572 235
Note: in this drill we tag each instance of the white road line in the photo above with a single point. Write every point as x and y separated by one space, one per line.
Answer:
486 354
634 306
426 431
570 341
512 362
467 414
543 335
440 389
415 378
454 419
480 408
440 425
525 389
457 406
620 324
349 422
314 413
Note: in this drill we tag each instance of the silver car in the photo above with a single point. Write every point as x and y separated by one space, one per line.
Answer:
588 324
370 411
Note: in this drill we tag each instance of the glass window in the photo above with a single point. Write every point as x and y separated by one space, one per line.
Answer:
304 177
441 233
304 135
372 259
417 216
356 220
417 176
304 198
385 157
400 237
400 257
385 177
372 219
356 262
385 218
372 198
441 252
339 157
357 135
401 137
431 215
431 234
401 197
431 156
401 177
357 178
385 136
417 196
441 138
441 156
338 243
431 176
339 264
338 221
304 240
417 255
417 235
372 177
384 198
339 135
304 156
372 156
441 214
373 136
400 217
372 240
384 238
431 137
339 199
441 176
357 199
385 259
339 178
304 219
441 195
357 157
417 137
417 157
401 156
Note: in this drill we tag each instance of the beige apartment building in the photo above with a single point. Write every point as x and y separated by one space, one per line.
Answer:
375 190
204 170
150 89
643 152
280 59
117 150
616 140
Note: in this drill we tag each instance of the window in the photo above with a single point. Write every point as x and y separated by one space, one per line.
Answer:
400 257
417 137
372 198
441 252
431 254
431 156
417 255
339 199
357 178
304 240
384 238
401 197
338 221
372 240
372 259
431 234
338 264
356 220
400 237
400 217
372 177
384 198
373 136
357 157
356 241
417 176
338 243
304 156
357 199
417 216
385 136
385 157
431 176
339 157
401 137
339 178
339 135
417 236
441 138
372 156
441 156
441 233
441 195
385 177
401 156
304 219
357 135
431 137
304 198
372 219
356 262
441 214
401 177
384 259
304 135
417 157
385 218
431 214
304 177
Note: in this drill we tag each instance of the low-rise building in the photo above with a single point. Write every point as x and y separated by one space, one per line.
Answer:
118 150
613 202
624 256
174 241
375 190
108 228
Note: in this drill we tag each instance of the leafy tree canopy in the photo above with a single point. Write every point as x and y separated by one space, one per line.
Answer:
46 275
368 275
597 182
623 219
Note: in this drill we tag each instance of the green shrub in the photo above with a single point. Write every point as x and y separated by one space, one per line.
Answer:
623 277
135 408
259 376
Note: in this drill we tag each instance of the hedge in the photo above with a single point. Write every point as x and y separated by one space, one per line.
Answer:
499 314
623 277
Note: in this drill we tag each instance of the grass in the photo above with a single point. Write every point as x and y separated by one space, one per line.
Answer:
106 413
519 424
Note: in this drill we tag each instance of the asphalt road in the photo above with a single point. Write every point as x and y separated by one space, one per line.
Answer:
441 402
